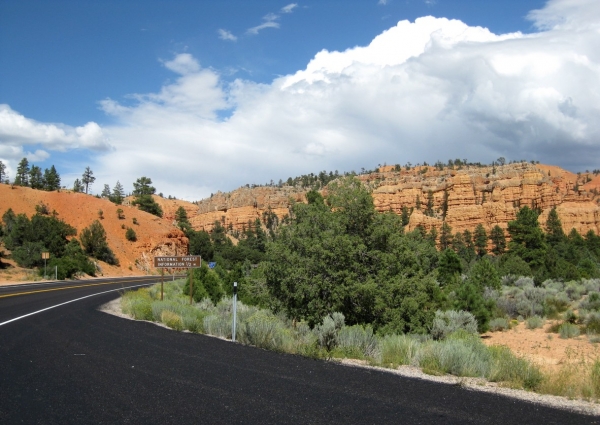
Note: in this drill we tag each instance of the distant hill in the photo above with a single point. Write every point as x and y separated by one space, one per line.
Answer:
155 236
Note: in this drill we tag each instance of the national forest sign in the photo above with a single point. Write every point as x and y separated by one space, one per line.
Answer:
187 262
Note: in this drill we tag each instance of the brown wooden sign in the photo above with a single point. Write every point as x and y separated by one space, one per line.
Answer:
187 262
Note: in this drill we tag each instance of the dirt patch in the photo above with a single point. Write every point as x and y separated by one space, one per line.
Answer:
547 350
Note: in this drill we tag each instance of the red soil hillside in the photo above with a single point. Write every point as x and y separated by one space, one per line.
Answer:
155 236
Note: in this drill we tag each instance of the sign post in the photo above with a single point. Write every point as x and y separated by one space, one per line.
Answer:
234 311
186 262
45 256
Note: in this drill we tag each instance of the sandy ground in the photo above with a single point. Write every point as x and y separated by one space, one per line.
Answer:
473 384
545 349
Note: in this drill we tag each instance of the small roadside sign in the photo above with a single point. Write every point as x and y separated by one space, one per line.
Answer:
186 262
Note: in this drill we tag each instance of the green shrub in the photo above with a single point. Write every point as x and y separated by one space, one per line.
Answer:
499 324
506 367
399 350
358 342
461 354
263 330
172 320
595 375
327 331
592 323
137 304
217 326
568 330
193 320
447 322
534 322
130 235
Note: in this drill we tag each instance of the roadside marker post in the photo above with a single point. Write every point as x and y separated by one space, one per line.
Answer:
186 262
234 311
162 281
45 256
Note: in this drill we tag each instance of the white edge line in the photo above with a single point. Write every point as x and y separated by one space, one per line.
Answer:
68 302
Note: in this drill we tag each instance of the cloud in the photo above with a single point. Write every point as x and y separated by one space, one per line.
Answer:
226 35
420 91
267 24
382 2
183 64
289 8
16 131
270 19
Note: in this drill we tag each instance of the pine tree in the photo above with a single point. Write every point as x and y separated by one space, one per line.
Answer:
77 186
429 210
22 176
182 219
143 192
87 178
470 246
498 240
2 172
554 230
51 179
445 236
418 202
480 240
36 179
106 192
445 204
527 238
405 217
118 194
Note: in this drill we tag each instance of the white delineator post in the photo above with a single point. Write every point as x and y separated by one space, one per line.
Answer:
234 311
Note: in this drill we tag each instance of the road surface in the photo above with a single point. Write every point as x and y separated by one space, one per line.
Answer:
73 364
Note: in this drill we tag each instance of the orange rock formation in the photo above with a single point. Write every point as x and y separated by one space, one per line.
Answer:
475 195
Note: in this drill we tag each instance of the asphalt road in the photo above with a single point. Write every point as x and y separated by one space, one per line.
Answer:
73 364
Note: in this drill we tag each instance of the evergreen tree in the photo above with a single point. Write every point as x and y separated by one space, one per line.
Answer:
450 267
405 217
87 178
445 236
51 179
418 202
2 172
143 191
22 176
77 186
429 210
445 204
470 246
105 192
498 240
480 240
554 231
118 194
93 239
182 219
36 179
527 238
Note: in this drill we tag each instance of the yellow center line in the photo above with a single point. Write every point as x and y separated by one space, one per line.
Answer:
70 287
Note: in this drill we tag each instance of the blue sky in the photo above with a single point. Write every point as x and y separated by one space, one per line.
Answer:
209 95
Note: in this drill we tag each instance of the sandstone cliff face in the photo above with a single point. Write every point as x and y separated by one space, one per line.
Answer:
475 195
237 208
